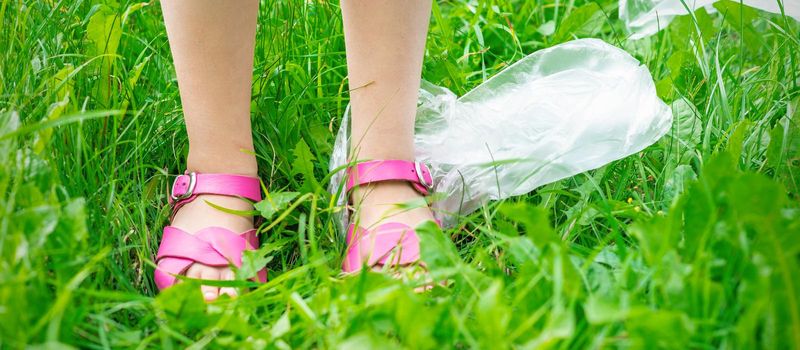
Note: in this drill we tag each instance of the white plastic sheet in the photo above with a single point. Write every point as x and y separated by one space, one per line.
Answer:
646 17
555 113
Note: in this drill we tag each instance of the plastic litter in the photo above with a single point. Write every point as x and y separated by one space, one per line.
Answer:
555 113
646 17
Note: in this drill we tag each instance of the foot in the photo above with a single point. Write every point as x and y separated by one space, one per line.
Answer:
197 215
389 201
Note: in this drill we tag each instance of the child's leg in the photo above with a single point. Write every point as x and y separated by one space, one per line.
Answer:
385 42
212 43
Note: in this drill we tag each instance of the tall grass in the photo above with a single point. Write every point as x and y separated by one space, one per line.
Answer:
692 243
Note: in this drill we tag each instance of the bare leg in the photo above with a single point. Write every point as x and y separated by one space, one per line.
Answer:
212 43
385 42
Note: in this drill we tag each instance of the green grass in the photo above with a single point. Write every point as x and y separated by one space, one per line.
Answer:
693 243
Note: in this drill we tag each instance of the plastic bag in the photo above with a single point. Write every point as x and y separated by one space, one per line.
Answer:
646 17
553 114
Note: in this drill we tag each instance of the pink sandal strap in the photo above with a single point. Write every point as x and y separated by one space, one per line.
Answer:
389 244
390 170
212 246
190 185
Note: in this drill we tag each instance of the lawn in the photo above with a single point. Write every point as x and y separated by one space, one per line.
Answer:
692 243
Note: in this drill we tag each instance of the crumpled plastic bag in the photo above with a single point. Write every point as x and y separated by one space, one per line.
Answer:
555 113
646 17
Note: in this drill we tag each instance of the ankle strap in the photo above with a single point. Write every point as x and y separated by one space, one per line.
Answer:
190 185
390 170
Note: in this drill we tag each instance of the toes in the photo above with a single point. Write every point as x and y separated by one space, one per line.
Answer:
209 292
193 271
227 275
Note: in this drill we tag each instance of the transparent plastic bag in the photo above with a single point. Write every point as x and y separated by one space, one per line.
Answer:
646 17
555 113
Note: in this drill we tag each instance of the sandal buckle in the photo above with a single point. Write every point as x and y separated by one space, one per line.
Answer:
189 191
421 177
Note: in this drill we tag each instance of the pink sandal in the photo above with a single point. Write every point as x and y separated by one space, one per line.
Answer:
375 247
212 246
